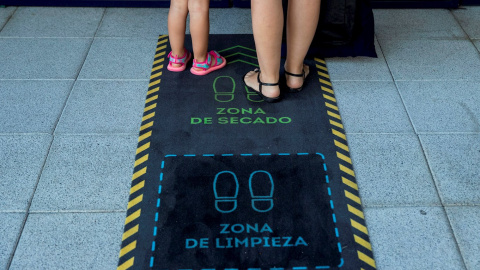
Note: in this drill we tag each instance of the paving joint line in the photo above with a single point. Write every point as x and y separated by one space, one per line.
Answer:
52 139
465 32
29 204
78 74
76 211
435 182
8 19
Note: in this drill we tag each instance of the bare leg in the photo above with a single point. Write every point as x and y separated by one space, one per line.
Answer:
267 23
302 20
177 16
199 27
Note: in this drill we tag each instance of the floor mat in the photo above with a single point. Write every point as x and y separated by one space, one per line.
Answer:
223 180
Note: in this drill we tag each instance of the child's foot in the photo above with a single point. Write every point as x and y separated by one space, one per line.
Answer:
213 62
177 64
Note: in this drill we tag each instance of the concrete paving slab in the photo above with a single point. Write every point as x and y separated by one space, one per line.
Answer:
416 24
86 173
5 14
417 238
391 170
134 22
150 23
469 19
432 59
477 44
113 58
45 58
230 21
70 241
53 22
32 106
21 161
446 106
371 107
10 227
454 159
359 68
465 225
104 107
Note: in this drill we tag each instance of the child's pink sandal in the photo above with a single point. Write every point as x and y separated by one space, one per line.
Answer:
213 62
178 60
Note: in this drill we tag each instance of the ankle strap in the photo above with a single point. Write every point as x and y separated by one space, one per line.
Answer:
296 75
178 60
265 84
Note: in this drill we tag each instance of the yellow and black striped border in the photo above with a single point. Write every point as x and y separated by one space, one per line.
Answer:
354 204
134 210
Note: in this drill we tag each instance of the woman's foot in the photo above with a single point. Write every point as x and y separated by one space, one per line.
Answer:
296 78
251 81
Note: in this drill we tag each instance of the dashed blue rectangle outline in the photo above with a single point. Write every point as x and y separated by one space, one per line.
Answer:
327 181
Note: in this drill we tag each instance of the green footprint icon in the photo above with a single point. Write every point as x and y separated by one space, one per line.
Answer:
253 96
224 88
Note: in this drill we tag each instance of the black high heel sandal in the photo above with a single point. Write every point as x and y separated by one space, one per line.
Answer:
296 90
259 92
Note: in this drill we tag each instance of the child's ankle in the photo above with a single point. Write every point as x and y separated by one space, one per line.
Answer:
179 54
201 59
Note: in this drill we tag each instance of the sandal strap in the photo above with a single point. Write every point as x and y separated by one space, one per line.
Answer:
296 75
205 64
260 83
178 60
266 84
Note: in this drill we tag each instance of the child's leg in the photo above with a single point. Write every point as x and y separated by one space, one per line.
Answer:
177 16
199 27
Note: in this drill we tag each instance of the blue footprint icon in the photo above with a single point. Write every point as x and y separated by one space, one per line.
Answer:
262 197
226 185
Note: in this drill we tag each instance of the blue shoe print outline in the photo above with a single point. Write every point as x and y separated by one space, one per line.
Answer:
220 199
256 198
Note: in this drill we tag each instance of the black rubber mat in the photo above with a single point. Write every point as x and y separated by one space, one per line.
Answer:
223 180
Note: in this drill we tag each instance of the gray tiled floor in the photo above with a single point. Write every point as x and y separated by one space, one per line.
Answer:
121 59
417 24
55 241
71 98
407 183
42 58
371 107
431 59
413 238
469 19
86 173
5 15
23 157
11 228
465 224
104 106
58 22
360 68
45 100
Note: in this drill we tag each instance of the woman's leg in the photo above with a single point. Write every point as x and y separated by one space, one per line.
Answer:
199 27
302 20
177 16
267 23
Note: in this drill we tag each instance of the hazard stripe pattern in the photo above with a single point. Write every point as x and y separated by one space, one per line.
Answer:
135 203
354 204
